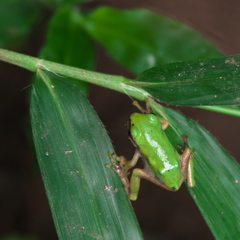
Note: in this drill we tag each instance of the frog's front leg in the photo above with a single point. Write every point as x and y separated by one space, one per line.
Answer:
187 164
163 121
121 166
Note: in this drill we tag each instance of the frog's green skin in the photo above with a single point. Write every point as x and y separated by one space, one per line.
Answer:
162 159
162 163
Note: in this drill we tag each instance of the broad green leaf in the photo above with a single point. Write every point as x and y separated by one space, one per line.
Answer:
85 197
217 175
194 83
17 18
139 39
68 43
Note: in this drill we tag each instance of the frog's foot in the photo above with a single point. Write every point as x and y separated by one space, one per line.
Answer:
148 109
120 167
136 104
118 162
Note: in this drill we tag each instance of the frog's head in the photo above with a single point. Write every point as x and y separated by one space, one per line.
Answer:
138 124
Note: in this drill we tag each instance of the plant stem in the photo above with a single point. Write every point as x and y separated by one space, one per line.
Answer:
118 83
223 109
114 82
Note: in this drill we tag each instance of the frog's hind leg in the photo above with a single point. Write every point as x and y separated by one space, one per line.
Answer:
121 166
137 174
187 164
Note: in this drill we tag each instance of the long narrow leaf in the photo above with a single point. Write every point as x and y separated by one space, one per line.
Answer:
139 38
68 43
85 197
217 190
16 20
193 83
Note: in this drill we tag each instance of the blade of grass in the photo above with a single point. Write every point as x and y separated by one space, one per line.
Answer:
140 39
67 43
194 83
205 82
85 197
217 190
17 19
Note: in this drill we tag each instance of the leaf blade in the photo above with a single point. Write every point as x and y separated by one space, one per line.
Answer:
68 43
16 20
194 83
139 39
84 196
217 174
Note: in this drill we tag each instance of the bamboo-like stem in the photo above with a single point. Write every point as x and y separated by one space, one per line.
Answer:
115 82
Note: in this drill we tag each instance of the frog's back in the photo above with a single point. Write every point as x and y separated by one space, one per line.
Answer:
153 143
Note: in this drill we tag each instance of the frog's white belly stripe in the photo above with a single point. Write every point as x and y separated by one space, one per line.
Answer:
160 152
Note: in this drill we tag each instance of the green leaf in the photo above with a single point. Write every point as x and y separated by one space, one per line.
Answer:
85 197
139 39
194 83
68 43
17 18
217 190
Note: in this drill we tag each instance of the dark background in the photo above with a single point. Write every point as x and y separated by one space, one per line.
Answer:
160 213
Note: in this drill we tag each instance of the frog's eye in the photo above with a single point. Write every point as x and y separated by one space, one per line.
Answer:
152 119
135 133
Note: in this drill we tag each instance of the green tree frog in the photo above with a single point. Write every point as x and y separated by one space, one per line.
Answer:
163 165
